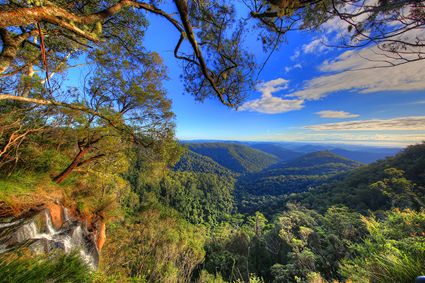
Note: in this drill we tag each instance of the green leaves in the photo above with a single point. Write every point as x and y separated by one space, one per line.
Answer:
55 268
392 252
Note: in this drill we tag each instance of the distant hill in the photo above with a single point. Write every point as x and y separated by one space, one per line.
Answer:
194 162
297 175
353 190
288 151
364 156
236 157
315 163
277 150
307 148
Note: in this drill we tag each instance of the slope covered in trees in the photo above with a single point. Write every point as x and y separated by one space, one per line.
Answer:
277 150
320 162
354 190
236 157
335 238
194 162
296 175
365 156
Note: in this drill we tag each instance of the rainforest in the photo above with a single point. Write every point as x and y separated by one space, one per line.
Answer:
212 141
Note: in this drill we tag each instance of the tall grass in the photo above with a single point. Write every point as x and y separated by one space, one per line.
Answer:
55 268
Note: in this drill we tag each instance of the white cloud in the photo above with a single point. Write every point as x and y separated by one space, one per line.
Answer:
336 114
351 71
348 72
295 56
387 138
290 68
270 104
364 139
268 88
317 45
413 123
419 102
361 70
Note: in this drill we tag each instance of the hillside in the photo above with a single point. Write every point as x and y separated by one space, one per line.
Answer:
236 157
277 150
194 162
364 156
354 189
315 163
359 153
297 175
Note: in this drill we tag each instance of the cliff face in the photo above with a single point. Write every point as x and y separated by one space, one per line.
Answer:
51 228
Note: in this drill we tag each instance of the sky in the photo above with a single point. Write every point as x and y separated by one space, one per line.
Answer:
308 92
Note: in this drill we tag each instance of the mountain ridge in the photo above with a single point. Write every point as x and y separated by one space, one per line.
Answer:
238 158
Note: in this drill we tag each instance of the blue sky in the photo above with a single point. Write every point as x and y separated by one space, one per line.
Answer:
306 94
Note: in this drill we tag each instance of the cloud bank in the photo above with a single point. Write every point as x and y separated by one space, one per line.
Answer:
350 71
413 123
336 114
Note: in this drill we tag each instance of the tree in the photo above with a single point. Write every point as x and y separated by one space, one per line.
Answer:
74 28
400 190
392 252
48 35
121 103
157 245
316 243
393 28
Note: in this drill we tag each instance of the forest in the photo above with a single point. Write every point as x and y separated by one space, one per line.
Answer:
95 185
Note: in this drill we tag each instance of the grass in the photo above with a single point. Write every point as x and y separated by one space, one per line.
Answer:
52 268
22 191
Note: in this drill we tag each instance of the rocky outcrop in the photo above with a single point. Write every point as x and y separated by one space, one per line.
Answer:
50 228
101 235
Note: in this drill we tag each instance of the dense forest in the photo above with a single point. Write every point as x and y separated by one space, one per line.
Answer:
196 223
236 157
347 226
96 187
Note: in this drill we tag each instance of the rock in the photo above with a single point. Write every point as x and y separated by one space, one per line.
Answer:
52 229
101 235
57 215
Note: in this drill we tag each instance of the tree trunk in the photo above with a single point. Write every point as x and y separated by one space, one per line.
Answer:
74 164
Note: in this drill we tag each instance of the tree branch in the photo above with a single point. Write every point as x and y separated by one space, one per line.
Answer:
183 11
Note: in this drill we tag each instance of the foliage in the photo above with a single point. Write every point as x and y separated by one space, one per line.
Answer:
194 162
296 175
320 158
269 190
316 242
401 191
201 198
394 250
55 268
156 245
355 190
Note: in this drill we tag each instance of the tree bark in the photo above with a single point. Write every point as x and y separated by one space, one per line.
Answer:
182 8
74 164
63 18
54 103
11 46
